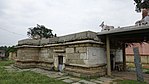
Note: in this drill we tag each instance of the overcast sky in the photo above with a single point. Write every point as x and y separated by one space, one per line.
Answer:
62 16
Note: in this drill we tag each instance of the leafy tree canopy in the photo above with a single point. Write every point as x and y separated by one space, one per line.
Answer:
141 4
40 31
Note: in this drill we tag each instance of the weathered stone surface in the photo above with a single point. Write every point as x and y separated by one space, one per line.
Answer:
44 41
81 62
74 49
28 42
46 55
74 60
104 79
27 54
74 79
81 49
68 81
59 51
83 56
69 50
79 36
76 83
96 56
85 71
71 61
53 40
97 81
93 35
67 38
62 78
86 35
74 56
86 82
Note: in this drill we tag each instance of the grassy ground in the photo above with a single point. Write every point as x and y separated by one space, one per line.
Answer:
26 77
29 77
129 82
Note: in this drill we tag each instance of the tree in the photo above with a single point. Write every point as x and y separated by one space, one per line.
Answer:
40 31
141 4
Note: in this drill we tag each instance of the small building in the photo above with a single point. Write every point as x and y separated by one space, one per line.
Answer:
12 55
144 53
2 53
79 54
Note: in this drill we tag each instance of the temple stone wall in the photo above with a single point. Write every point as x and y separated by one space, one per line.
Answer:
96 56
28 54
82 54
46 55
87 61
27 57
75 56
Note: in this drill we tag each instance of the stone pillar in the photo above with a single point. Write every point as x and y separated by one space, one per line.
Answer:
124 58
108 56
138 64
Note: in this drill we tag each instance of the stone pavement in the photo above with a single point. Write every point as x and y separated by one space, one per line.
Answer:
66 78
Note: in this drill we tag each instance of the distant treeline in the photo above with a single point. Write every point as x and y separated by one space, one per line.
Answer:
8 49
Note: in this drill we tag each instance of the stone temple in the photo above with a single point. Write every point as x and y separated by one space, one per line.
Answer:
81 54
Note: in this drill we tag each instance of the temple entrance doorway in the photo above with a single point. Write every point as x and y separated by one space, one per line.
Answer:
60 63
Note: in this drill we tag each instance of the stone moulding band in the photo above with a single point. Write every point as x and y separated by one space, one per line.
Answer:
31 61
76 42
85 66
61 44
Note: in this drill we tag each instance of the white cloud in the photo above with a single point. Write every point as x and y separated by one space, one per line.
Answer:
62 16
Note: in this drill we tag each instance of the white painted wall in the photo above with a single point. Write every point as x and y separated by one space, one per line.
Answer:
96 56
119 55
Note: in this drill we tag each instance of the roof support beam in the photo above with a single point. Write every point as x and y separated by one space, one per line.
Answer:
108 56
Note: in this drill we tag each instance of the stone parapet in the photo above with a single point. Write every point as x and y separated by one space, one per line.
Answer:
87 35
29 42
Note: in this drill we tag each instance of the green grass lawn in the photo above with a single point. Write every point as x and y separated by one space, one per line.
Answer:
129 82
26 77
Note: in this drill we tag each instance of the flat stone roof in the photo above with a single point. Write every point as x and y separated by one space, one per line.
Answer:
129 34
125 29
81 36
